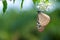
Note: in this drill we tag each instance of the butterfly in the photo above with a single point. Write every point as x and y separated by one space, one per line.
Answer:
42 21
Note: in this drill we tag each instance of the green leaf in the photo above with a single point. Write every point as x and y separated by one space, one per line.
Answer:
46 1
22 3
13 1
36 1
4 5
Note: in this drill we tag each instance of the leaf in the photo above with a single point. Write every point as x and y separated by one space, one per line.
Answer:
46 0
4 5
13 1
36 1
22 3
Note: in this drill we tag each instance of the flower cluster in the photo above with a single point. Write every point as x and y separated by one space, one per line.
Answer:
43 6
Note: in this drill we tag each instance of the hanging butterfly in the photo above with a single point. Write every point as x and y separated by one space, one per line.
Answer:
42 21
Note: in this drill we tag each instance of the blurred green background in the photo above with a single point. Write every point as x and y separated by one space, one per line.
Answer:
22 24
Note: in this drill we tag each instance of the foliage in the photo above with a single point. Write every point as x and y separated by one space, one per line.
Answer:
34 1
22 3
4 5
